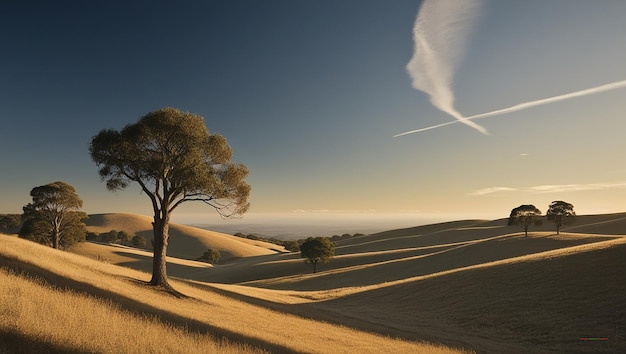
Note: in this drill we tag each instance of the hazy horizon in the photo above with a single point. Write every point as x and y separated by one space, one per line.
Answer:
299 225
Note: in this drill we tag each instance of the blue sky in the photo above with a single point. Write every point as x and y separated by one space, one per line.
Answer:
310 94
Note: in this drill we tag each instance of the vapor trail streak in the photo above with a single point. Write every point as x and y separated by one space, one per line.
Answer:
518 107
440 36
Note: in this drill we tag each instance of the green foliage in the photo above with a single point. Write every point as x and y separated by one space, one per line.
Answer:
175 159
291 245
114 236
124 238
54 217
92 236
210 256
560 213
524 216
110 237
138 241
318 249
9 222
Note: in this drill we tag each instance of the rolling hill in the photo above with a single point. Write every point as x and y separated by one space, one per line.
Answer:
185 242
473 284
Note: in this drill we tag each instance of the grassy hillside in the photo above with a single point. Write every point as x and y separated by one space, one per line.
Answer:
467 284
185 242
76 304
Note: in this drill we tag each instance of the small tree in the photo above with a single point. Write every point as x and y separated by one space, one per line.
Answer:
54 217
317 249
139 241
291 245
10 221
210 256
125 238
110 237
560 213
174 159
524 216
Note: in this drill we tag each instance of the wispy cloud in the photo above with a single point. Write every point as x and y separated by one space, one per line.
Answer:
440 37
518 107
492 190
551 188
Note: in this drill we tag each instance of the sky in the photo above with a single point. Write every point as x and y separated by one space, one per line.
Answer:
315 97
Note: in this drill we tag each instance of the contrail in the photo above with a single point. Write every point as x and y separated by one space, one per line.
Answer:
440 35
518 107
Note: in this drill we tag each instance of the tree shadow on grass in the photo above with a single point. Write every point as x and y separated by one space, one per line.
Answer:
14 342
134 306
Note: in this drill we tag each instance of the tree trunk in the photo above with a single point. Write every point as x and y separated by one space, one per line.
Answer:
56 237
314 266
161 236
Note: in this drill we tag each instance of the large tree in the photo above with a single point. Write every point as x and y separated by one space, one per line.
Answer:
560 213
524 216
54 217
318 249
174 159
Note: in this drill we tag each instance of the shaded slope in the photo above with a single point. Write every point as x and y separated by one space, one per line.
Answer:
545 302
289 272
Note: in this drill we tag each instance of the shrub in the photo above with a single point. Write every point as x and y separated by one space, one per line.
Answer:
291 245
210 256
110 237
139 241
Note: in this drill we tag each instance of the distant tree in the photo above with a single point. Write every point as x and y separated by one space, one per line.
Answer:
110 237
174 159
54 217
317 249
560 213
139 241
524 216
10 221
291 245
210 256
92 236
125 238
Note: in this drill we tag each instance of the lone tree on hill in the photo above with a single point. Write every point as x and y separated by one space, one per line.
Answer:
524 216
317 249
54 217
560 213
174 159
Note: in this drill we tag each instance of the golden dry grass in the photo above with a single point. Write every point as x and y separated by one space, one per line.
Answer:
205 312
185 242
38 318
467 284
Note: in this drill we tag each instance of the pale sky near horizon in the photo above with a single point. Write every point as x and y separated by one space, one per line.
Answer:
310 95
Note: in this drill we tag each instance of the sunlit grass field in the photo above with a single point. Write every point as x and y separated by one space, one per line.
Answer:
465 286
68 303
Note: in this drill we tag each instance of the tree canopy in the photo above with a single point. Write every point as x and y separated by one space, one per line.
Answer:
560 213
524 216
54 217
318 249
174 159
10 221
